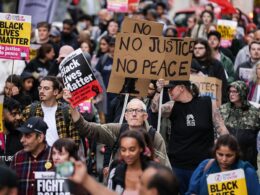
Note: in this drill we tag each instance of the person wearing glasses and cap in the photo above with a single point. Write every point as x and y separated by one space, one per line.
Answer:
193 119
35 156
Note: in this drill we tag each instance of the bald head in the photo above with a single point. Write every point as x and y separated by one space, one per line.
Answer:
257 35
135 114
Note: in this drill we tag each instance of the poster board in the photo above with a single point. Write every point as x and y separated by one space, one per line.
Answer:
209 86
228 182
117 83
47 183
117 6
227 29
139 30
15 34
152 57
245 74
78 78
122 6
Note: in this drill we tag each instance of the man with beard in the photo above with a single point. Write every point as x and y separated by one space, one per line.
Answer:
55 113
209 66
68 37
11 138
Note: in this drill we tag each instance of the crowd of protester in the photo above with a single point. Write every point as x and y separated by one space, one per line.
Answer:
196 137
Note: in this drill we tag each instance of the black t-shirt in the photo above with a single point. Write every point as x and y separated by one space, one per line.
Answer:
192 134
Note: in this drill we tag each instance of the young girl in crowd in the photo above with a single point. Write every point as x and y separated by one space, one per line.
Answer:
62 151
135 155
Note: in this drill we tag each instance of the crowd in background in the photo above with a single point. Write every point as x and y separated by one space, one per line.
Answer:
195 138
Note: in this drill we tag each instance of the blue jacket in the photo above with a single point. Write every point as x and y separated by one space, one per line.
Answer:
198 183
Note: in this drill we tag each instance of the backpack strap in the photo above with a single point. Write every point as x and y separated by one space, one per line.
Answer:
33 108
66 114
151 133
208 165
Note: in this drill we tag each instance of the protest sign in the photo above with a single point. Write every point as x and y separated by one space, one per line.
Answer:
227 29
144 27
209 86
47 183
122 6
152 57
117 5
245 74
78 78
15 33
228 182
118 84
33 50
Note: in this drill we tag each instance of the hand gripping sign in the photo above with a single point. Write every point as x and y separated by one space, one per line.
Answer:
228 182
78 78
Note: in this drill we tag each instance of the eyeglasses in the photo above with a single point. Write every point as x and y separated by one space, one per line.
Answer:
44 88
131 110
199 48
233 92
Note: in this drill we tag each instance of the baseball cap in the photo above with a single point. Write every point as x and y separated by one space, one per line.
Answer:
214 33
34 124
175 83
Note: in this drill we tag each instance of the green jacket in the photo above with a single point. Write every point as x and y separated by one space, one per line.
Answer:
228 66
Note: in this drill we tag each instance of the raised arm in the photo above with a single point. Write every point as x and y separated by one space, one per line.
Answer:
165 108
218 121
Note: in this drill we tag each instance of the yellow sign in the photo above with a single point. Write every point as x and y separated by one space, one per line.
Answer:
1 113
228 182
15 33
227 29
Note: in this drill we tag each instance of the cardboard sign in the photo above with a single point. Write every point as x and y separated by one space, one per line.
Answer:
209 86
152 57
144 27
228 182
47 183
245 74
227 29
118 84
15 33
78 78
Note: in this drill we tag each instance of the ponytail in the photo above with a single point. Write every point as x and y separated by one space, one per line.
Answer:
194 90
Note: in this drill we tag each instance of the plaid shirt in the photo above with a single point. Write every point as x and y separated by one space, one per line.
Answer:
64 130
24 164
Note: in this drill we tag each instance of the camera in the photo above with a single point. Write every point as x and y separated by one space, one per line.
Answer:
65 169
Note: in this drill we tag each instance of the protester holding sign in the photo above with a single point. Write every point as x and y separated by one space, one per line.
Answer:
254 50
35 156
192 133
136 116
242 120
226 158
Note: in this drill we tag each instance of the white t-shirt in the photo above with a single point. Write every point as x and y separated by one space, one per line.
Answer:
49 118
